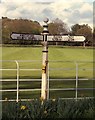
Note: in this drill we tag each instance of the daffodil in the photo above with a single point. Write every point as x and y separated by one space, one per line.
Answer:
53 100
23 107
6 98
45 112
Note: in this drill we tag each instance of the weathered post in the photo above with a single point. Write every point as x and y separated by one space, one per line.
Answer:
44 86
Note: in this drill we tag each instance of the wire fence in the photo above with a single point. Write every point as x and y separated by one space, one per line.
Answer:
58 71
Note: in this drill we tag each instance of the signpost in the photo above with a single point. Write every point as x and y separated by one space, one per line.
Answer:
44 86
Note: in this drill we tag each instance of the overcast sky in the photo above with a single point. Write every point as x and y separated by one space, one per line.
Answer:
69 11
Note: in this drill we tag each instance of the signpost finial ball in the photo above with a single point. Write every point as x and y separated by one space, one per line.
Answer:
46 20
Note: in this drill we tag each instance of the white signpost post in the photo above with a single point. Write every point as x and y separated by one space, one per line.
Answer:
44 86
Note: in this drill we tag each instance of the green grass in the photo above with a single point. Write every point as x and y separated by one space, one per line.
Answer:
56 84
55 54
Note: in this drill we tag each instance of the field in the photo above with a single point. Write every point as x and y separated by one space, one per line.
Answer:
64 68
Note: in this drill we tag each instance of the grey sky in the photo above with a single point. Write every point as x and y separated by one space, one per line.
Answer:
69 11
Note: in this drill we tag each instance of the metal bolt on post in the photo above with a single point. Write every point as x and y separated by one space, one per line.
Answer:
44 86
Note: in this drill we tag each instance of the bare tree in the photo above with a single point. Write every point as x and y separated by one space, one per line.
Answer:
58 27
